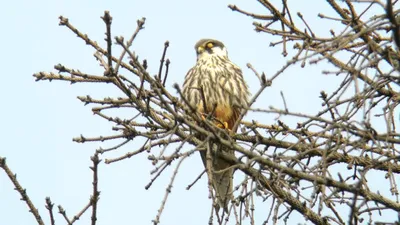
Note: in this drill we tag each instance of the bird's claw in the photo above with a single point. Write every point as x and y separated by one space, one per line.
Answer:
222 125
219 124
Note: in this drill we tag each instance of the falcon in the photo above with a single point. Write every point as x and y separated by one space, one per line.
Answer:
216 85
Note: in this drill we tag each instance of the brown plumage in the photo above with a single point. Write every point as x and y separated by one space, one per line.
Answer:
224 88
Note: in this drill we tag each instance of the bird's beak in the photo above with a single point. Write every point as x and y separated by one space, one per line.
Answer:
200 49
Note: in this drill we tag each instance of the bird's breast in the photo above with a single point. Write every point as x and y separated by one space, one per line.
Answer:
217 84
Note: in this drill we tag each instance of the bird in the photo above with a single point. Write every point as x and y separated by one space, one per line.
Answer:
215 85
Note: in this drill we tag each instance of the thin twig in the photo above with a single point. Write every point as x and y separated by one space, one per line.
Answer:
21 190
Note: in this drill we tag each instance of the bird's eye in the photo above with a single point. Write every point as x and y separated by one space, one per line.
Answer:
210 45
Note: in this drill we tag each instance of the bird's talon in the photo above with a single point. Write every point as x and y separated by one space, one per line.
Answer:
226 125
223 125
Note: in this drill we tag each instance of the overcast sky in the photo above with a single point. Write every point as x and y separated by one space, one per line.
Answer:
39 119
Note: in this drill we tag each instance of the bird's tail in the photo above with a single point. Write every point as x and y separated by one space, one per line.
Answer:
222 180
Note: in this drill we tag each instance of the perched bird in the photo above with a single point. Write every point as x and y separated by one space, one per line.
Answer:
216 85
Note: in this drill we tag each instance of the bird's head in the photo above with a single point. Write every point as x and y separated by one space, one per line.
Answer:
206 48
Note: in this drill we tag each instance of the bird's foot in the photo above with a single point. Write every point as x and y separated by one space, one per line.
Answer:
218 123
222 125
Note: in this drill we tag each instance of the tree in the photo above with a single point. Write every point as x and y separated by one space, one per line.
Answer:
322 167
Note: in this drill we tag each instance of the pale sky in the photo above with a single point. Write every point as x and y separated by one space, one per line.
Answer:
41 118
